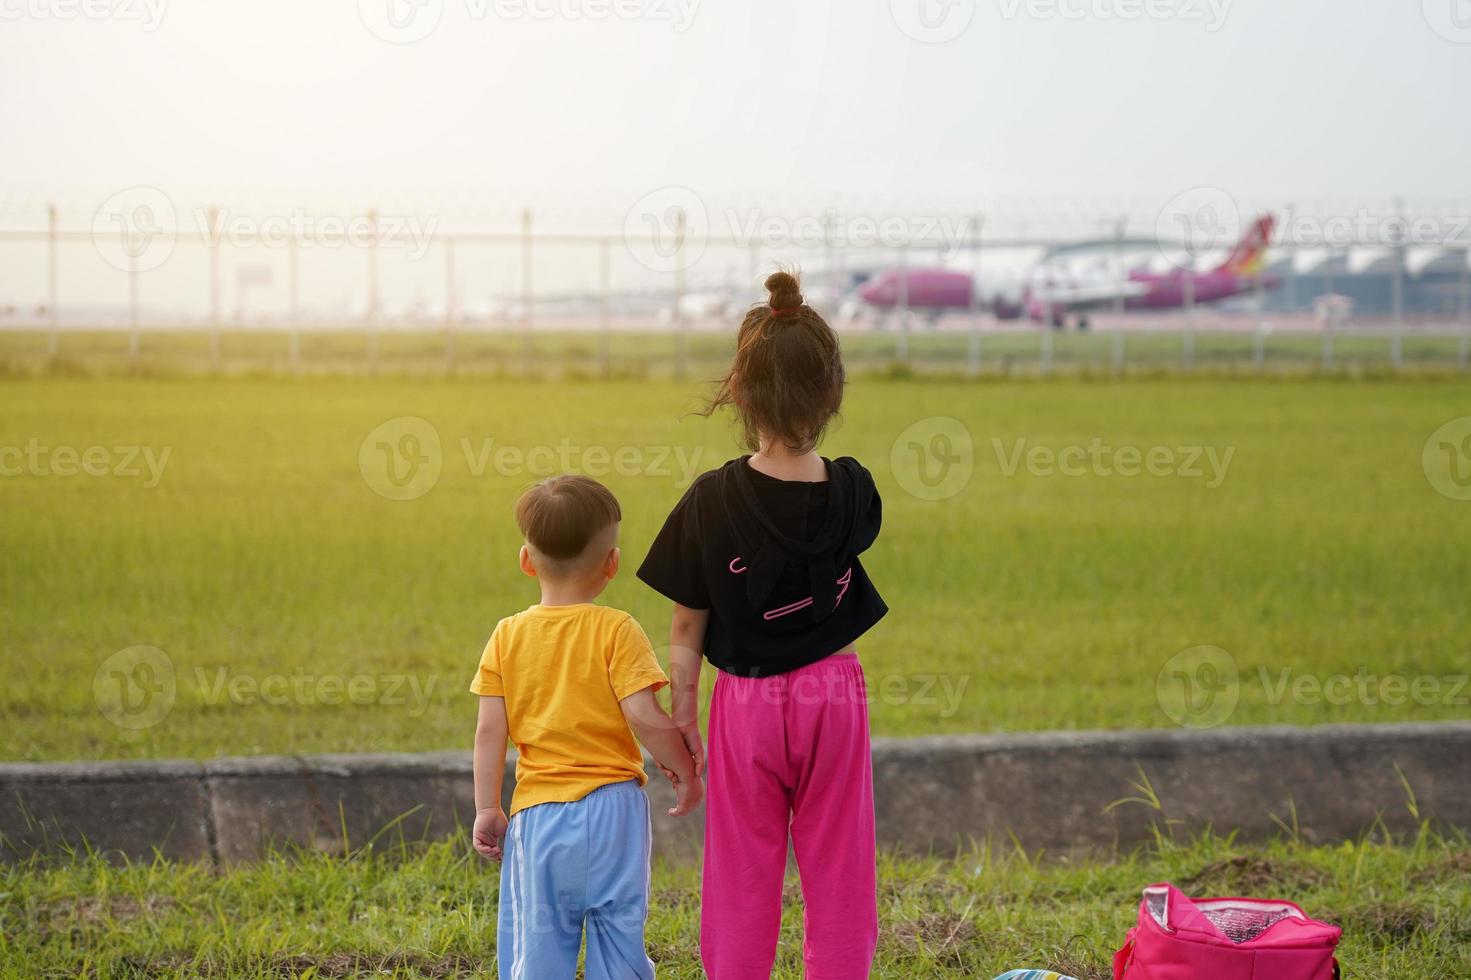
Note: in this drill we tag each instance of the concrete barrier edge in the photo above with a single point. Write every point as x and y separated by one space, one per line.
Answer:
1046 790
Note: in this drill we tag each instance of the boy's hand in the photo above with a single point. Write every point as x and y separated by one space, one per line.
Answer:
489 832
687 795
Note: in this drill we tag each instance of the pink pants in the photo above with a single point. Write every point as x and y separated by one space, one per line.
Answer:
789 751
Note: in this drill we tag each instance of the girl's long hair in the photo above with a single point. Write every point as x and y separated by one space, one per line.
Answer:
786 380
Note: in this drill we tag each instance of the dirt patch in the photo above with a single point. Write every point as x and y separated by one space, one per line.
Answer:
122 908
934 931
1453 866
1069 965
1397 921
1251 875
74 916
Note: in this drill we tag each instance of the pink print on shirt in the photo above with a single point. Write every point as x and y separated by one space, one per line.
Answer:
770 614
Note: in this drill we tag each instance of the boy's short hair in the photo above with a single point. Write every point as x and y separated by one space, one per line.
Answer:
563 517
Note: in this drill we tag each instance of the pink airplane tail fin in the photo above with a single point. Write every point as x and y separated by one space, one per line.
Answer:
1249 257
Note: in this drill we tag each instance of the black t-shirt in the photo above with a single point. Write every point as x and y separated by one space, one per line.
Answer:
775 562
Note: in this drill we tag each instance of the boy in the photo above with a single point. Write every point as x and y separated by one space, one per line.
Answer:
570 683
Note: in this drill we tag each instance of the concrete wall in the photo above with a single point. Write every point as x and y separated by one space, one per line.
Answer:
1049 790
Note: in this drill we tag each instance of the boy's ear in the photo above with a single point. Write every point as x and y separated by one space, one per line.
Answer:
610 564
526 565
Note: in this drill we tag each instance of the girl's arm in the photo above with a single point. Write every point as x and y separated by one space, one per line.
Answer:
491 733
686 656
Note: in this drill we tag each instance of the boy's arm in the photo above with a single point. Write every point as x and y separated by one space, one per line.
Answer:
686 657
491 733
659 735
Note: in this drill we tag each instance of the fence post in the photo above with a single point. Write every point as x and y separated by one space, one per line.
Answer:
1289 281
133 343
840 277
1464 356
1397 294
1118 259
901 306
679 326
293 339
527 344
973 355
1259 343
213 244
829 272
1329 325
1187 342
449 305
53 292
372 290
605 322
1328 291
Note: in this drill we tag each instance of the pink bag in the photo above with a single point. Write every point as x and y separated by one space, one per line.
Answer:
1224 939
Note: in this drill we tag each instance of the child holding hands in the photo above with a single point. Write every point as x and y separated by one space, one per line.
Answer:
761 560
571 683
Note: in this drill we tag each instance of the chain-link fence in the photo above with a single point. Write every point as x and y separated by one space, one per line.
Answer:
306 292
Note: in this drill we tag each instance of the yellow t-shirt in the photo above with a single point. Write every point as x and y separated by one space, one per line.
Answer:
562 671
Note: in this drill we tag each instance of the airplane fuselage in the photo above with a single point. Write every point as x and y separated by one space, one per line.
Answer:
945 290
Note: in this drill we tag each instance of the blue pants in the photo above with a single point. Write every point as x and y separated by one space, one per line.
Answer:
570 865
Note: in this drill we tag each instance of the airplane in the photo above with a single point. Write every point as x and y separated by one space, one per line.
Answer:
1077 279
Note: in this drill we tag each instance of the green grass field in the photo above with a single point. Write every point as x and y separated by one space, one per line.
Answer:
299 610
1404 910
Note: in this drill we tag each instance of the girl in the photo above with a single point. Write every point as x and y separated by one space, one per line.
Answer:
761 560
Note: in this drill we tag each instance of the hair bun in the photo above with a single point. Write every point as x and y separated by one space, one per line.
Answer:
785 290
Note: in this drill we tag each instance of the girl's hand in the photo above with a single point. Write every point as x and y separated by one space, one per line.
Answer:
489 832
696 746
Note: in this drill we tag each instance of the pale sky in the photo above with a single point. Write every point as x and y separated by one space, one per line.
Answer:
1275 99
586 111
